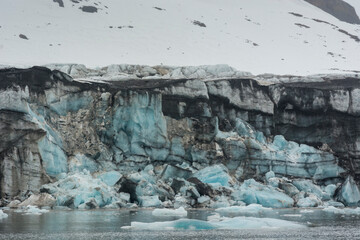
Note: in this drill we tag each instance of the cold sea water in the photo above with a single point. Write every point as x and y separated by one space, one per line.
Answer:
114 224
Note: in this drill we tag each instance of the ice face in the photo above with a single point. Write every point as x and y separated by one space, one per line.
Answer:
110 178
55 160
280 156
68 103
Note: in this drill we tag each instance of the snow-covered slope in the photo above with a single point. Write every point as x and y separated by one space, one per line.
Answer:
260 36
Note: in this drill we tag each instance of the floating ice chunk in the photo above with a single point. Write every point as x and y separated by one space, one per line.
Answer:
180 212
110 178
255 223
223 223
214 218
346 211
291 215
214 175
306 211
250 209
28 210
188 224
349 193
2 214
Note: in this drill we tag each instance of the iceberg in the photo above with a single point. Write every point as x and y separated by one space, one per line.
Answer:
32 210
349 193
180 212
216 223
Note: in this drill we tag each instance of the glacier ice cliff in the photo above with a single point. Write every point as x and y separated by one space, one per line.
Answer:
178 142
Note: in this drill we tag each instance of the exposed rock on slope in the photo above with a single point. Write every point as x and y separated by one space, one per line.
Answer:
338 8
52 125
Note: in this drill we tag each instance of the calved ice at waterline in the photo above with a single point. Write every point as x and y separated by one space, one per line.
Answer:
171 143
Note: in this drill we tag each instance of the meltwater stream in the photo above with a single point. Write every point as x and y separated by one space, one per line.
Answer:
111 224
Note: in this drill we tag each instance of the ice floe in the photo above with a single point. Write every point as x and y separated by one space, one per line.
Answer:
216 223
250 209
32 210
180 212
2 214
344 211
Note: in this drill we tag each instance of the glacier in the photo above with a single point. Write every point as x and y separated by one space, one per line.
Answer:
170 143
